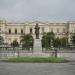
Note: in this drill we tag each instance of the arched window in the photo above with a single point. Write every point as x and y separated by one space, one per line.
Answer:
21 31
9 31
30 30
15 31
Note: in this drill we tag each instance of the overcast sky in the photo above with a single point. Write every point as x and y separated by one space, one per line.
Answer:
32 10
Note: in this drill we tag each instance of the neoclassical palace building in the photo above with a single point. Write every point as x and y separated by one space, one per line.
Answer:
12 31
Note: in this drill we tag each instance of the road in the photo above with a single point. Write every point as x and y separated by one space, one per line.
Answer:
37 68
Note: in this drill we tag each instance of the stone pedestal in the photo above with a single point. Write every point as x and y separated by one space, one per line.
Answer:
37 46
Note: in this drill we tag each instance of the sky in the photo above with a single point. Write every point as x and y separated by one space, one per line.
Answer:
37 10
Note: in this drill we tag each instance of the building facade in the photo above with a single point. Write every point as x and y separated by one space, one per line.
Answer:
12 31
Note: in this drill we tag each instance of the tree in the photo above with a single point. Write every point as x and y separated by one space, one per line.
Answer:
57 42
64 42
73 39
1 45
60 42
46 39
15 45
1 40
27 41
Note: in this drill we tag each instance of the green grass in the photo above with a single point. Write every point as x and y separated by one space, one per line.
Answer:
37 60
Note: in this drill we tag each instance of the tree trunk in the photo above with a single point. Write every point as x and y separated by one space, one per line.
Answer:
55 53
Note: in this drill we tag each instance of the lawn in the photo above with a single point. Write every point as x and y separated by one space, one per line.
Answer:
37 60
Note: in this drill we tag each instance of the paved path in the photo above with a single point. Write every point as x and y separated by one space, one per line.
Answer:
37 68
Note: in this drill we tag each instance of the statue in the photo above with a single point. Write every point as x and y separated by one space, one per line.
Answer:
37 31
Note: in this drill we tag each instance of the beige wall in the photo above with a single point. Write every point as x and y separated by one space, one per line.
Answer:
60 29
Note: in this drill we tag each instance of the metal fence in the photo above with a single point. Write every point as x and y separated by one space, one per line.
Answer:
8 52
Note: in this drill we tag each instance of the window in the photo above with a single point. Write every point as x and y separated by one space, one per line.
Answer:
51 29
57 30
15 31
21 31
9 39
64 30
42 29
9 31
30 30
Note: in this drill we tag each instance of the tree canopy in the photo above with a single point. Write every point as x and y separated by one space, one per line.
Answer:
15 44
73 39
49 39
27 41
46 39
1 40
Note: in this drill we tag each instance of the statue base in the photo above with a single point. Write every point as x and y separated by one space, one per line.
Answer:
37 46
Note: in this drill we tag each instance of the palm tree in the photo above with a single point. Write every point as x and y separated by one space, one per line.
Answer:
27 41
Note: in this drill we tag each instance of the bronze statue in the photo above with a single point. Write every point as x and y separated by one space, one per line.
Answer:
37 31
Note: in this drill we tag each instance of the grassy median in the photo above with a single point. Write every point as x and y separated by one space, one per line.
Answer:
37 60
